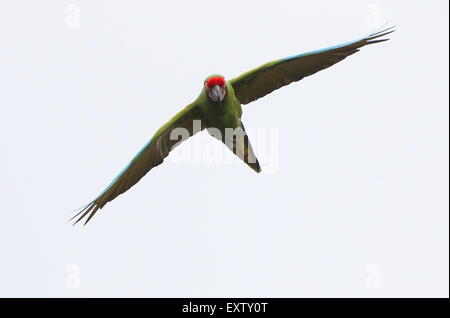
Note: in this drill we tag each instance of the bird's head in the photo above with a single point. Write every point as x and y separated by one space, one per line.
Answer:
216 88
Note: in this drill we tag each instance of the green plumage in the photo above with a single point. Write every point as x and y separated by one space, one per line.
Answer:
219 115
226 114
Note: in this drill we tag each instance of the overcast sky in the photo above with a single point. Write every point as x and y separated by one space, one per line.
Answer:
353 198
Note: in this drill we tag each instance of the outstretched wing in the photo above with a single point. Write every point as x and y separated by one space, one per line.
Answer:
263 80
183 125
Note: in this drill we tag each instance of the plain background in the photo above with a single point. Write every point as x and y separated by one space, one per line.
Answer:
358 205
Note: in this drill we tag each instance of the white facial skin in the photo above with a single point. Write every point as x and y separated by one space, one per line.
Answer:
216 88
217 93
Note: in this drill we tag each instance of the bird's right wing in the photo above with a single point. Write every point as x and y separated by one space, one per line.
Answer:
263 80
183 125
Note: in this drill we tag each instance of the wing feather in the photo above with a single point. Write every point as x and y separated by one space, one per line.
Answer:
150 156
263 80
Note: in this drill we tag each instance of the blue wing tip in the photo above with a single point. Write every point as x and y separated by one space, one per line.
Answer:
381 31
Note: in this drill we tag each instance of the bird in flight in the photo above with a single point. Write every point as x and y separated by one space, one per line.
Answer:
218 110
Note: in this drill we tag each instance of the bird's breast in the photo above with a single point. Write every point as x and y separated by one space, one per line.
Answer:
224 115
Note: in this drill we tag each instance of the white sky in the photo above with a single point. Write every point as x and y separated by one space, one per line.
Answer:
358 202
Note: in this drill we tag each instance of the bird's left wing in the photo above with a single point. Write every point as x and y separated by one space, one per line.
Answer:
183 125
263 80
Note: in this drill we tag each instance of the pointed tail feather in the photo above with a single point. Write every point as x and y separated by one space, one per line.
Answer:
240 145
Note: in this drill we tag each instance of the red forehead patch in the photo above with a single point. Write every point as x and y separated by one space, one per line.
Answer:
213 81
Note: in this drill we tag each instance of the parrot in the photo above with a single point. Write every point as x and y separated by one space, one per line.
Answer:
218 110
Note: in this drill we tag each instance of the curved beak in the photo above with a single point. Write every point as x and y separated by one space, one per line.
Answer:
217 93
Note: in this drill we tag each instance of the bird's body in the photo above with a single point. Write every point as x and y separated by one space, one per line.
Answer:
225 115
218 109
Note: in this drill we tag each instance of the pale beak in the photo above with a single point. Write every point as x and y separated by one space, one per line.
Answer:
217 93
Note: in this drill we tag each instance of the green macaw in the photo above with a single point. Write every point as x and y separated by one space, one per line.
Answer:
218 108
